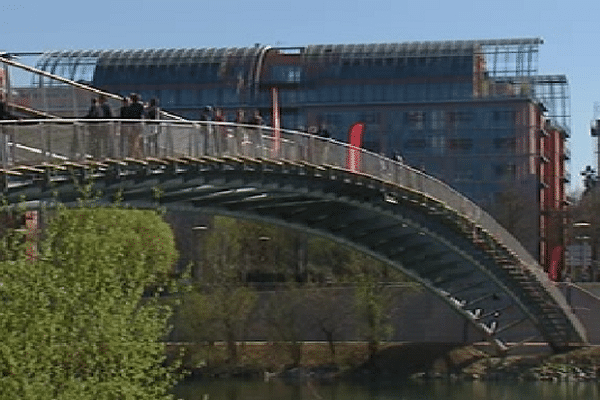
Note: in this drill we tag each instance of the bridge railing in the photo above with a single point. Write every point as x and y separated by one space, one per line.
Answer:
33 142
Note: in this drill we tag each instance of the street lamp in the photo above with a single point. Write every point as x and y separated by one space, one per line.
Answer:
589 177
580 256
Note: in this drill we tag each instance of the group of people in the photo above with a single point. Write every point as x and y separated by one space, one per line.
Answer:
216 114
131 108
131 134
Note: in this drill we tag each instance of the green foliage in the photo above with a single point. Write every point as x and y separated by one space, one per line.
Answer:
330 313
328 260
283 319
73 324
217 313
373 301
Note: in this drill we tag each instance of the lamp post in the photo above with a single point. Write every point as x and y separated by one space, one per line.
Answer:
580 250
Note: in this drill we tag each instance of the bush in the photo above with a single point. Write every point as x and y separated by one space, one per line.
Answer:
73 324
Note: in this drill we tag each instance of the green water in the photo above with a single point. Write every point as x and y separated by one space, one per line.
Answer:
277 390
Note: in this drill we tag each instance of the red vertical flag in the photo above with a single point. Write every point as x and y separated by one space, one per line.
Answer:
276 123
555 269
355 135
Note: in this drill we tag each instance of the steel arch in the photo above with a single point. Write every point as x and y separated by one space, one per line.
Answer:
420 236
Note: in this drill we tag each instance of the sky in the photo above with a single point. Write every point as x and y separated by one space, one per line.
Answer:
570 30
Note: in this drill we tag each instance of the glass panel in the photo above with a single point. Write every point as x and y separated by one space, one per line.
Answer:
230 96
188 97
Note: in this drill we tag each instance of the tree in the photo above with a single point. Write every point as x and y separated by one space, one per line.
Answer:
219 307
283 320
328 261
330 313
374 299
217 313
73 323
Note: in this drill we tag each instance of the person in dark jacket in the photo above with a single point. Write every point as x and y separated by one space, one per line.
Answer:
124 110
153 115
105 138
136 108
94 110
135 111
104 108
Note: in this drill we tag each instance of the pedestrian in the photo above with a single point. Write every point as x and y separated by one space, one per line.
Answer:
124 110
207 114
104 137
94 110
124 127
221 130
136 108
256 119
240 117
135 111
256 131
323 132
103 107
207 144
93 129
153 111
153 115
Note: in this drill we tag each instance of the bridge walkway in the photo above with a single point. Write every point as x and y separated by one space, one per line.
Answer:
384 208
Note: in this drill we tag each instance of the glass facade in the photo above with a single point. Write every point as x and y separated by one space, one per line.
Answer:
449 108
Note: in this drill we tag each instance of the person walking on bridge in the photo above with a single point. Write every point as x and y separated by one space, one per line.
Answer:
135 111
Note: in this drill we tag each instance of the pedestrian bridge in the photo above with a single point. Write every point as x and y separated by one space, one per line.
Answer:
379 206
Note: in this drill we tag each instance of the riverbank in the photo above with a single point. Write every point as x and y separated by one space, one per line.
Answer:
261 360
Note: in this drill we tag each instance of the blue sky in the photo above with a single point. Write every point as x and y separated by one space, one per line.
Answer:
571 32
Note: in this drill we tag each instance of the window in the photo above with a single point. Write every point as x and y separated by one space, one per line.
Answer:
378 92
347 95
415 144
415 119
459 118
188 97
460 144
507 143
506 171
411 92
388 93
502 117
169 98
437 119
286 73
369 93
229 96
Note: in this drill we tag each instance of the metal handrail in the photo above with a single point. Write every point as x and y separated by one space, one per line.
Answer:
36 141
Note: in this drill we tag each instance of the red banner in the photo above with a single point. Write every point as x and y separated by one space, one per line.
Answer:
276 123
355 135
555 269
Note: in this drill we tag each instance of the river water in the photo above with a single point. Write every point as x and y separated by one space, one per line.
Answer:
437 390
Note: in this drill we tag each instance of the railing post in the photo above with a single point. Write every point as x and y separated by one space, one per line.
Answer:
46 139
198 142
210 140
3 148
170 144
74 150
112 140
